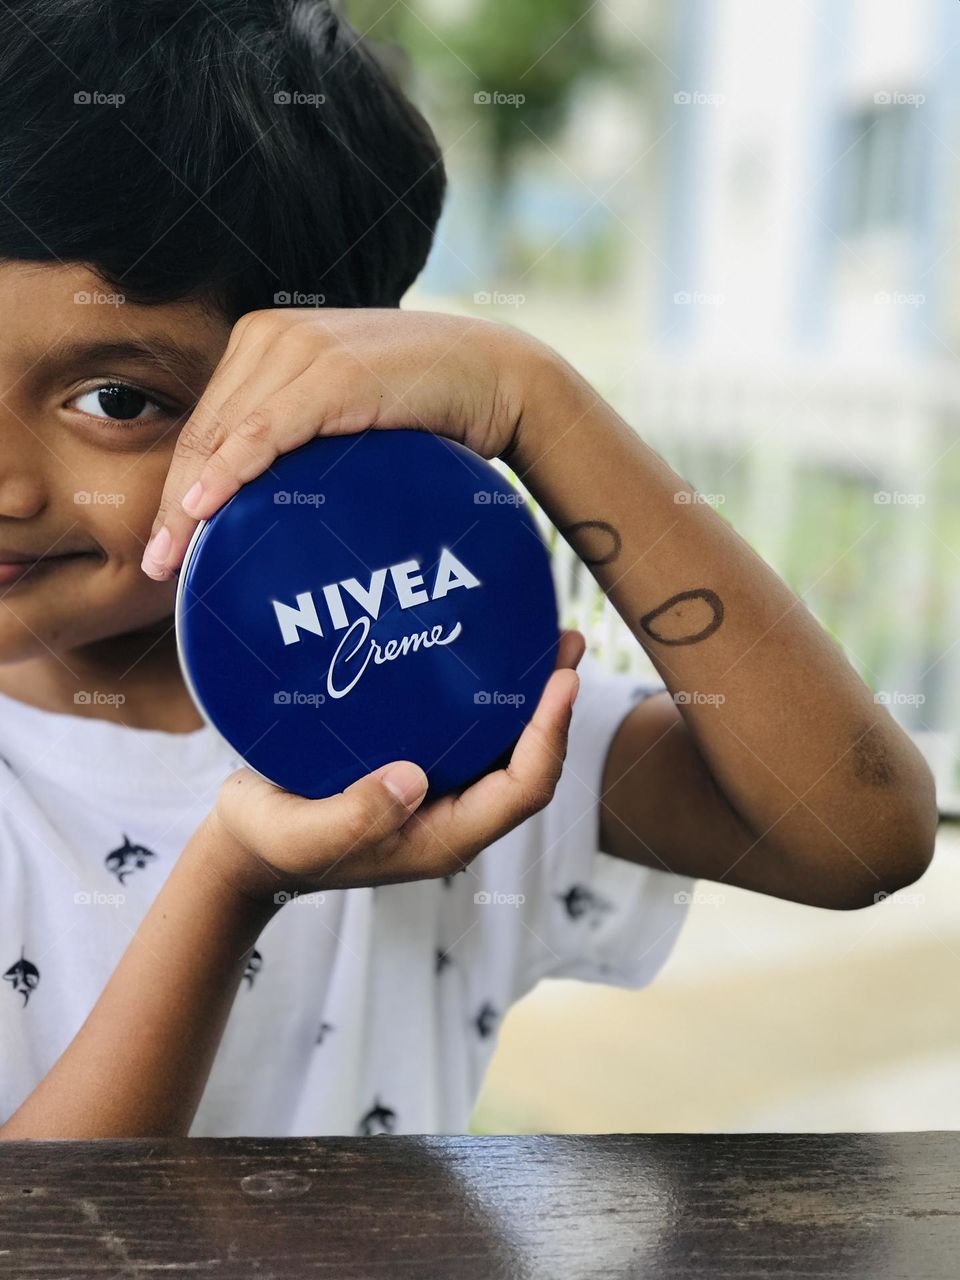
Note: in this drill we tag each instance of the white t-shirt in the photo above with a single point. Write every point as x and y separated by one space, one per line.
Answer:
362 1010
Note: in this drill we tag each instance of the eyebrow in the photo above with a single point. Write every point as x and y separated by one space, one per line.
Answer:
159 350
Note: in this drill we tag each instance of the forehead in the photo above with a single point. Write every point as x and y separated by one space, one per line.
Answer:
56 313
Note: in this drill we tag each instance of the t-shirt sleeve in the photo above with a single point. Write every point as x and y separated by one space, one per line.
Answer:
585 913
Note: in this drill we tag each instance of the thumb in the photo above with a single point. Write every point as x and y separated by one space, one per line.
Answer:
378 804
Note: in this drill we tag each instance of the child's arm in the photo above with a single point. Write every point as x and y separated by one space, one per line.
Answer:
139 1064
789 780
771 767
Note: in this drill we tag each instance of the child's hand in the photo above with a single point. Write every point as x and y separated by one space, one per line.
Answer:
270 842
289 375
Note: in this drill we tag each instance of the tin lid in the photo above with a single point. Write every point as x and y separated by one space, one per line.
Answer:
372 597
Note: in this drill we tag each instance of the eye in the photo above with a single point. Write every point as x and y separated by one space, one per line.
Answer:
119 402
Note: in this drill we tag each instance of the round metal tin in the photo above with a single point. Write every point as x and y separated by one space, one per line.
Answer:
372 597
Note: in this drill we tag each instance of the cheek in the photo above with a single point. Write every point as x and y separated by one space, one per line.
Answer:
130 493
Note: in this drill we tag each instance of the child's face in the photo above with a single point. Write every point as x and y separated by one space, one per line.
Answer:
81 473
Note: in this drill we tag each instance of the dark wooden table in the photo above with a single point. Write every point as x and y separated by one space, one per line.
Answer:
865 1205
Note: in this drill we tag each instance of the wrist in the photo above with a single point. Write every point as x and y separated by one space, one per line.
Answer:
552 396
247 880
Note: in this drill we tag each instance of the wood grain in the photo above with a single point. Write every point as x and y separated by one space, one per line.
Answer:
873 1206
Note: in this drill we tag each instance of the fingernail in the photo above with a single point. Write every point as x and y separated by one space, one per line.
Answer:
191 498
156 551
407 782
576 690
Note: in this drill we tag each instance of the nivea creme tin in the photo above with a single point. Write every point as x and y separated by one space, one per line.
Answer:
373 597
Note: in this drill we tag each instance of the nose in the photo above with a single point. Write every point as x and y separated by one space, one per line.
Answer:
23 490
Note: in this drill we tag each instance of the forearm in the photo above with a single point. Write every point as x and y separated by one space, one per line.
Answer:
139 1064
791 735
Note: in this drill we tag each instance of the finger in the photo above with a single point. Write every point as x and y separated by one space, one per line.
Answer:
243 378
446 835
257 428
571 649
362 816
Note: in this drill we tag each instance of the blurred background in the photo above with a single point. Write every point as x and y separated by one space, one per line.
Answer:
740 220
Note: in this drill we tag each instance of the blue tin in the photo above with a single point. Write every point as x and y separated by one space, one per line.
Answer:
372 597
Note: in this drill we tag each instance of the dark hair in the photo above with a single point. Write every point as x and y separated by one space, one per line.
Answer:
219 175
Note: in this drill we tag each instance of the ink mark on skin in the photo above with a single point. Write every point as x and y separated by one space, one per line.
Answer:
23 976
871 759
686 618
595 541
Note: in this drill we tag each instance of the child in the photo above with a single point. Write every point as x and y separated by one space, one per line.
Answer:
188 948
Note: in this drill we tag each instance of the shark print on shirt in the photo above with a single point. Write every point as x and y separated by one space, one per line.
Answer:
254 965
23 976
580 902
128 857
379 1119
486 1020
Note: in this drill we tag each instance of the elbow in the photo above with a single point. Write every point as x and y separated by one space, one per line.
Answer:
898 857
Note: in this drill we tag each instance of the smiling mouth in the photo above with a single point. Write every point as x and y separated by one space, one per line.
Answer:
13 572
